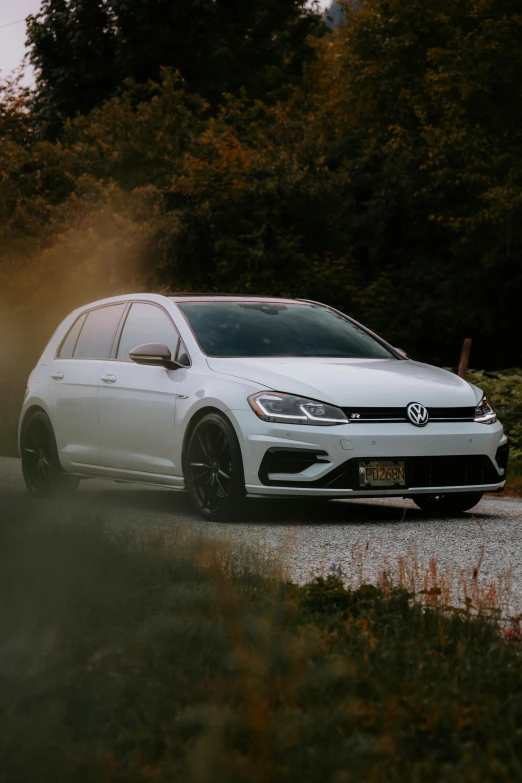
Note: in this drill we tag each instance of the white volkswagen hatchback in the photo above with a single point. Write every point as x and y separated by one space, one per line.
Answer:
228 396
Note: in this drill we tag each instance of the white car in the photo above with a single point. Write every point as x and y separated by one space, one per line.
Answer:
228 396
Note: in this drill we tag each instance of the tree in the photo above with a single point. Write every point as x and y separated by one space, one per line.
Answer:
83 50
73 50
15 120
419 105
387 182
252 209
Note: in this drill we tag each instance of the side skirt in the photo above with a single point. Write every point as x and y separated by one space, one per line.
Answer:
128 476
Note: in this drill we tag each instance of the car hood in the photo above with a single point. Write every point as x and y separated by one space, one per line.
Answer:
347 382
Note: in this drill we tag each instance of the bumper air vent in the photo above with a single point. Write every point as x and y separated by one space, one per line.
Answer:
288 460
502 457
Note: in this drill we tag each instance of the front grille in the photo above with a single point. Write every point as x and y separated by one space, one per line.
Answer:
362 415
451 471
471 470
374 414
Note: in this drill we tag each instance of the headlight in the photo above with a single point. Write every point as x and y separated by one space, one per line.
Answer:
288 409
485 412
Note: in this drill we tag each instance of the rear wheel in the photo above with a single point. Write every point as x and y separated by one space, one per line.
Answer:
453 502
214 469
43 474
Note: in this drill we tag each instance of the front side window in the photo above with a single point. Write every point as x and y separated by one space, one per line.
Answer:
183 356
146 323
69 344
265 329
97 335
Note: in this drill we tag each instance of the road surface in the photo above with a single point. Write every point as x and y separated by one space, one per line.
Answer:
310 537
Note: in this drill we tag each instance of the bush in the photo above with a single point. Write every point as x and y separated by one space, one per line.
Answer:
505 389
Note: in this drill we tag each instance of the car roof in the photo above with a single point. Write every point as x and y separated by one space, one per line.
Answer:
198 297
177 298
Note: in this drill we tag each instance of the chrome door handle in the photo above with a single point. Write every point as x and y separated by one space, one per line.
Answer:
57 376
108 378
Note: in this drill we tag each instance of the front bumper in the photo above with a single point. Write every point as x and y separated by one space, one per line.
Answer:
463 455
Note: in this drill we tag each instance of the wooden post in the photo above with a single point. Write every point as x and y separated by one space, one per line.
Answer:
464 357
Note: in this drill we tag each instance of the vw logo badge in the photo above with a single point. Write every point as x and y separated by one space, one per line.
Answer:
417 414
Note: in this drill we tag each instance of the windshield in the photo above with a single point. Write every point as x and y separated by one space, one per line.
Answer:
230 329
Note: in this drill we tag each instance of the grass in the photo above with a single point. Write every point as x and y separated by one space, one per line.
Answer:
164 657
446 587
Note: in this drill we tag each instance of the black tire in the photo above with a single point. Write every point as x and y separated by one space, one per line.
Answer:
214 473
452 503
43 474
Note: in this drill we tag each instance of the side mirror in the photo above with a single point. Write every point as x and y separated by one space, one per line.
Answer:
153 355
402 353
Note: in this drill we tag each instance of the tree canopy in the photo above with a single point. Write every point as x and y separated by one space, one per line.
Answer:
386 180
84 50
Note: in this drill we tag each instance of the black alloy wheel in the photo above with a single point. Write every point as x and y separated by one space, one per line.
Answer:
43 474
214 469
452 503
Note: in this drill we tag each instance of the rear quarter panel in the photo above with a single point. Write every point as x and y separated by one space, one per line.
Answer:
37 394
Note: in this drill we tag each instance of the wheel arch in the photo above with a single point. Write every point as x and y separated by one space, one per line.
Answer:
198 415
33 408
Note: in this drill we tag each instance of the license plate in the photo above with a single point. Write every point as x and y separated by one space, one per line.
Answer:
380 473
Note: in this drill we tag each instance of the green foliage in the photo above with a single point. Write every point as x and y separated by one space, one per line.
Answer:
72 48
422 111
328 594
161 658
83 51
15 121
253 212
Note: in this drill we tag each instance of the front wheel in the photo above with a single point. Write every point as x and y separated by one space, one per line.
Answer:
43 474
214 469
452 503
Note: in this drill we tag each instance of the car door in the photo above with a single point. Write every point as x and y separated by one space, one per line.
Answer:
136 403
74 382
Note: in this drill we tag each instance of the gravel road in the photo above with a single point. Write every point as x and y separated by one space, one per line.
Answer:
311 536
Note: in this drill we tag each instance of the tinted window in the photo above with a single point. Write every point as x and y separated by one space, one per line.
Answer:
258 329
67 349
147 324
95 340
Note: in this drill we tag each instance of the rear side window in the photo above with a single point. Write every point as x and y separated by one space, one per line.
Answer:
69 344
96 337
147 323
